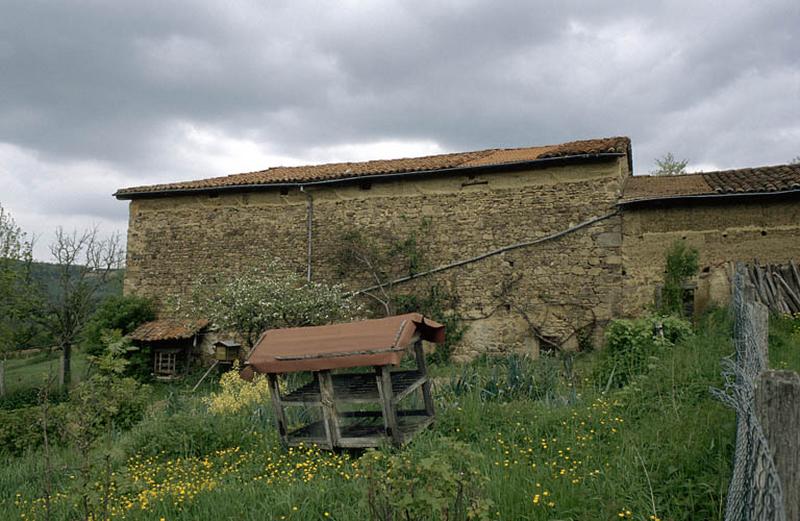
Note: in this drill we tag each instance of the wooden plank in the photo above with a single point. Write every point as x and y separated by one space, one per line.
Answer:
337 355
410 389
280 418
328 405
362 442
791 296
796 272
384 381
422 366
777 403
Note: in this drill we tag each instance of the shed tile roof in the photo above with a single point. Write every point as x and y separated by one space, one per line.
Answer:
331 171
764 179
167 329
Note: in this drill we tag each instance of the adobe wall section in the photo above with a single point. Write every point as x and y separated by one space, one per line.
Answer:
175 242
723 230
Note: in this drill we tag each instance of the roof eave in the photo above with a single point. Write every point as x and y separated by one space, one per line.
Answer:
578 158
686 197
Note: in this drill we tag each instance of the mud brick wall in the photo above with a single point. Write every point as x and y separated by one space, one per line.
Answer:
556 286
766 228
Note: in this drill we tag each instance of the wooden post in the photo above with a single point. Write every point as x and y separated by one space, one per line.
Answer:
280 418
777 401
422 365
386 393
329 415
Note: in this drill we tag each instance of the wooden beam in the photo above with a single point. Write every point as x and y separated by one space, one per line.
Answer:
777 403
384 379
328 403
422 366
280 418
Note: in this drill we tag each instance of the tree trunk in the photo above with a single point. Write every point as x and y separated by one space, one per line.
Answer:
65 375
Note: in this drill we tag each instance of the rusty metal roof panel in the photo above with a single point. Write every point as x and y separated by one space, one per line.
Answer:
364 343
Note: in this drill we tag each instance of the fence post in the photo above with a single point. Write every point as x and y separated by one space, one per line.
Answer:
777 402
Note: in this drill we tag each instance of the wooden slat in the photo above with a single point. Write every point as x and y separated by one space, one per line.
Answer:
384 381
422 380
352 388
422 365
280 418
328 405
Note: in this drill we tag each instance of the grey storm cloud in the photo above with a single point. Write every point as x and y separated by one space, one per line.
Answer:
95 95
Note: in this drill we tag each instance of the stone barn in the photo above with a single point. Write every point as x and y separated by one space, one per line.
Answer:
542 245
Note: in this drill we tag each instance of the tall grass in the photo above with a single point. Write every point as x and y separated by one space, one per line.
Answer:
660 446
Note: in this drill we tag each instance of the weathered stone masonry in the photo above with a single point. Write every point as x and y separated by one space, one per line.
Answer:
174 242
586 277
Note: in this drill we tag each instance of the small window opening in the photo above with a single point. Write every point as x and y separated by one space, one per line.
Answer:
213 196
166 363
763 233
284 191
365 185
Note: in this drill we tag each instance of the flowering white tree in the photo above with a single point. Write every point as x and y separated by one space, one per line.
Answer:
270 298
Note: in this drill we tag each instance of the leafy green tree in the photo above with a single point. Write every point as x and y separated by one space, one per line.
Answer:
668 165
15 260
117 312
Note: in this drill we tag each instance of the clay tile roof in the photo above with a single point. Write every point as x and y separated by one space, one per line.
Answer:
765 179
333 171
167 329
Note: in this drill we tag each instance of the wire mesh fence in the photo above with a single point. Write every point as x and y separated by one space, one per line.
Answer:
755 492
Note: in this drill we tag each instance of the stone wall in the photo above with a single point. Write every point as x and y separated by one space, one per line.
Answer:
557 286
723 230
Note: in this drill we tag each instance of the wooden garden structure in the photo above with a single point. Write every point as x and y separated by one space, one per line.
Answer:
173 344
336 355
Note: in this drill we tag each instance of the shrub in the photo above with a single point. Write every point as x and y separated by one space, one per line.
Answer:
123 313
437 303
29 397
515 377
632 346
441 483
104 402
681 265
21 429
236 394
191 432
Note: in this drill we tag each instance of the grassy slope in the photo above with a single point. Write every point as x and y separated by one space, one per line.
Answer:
660 443
23 373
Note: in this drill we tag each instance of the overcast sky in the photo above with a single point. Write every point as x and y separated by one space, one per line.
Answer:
98 95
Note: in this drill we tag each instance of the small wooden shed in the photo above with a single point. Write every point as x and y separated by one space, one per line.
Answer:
172 343
333 354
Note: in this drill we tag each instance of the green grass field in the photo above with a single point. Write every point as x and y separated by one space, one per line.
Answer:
34 371
659 448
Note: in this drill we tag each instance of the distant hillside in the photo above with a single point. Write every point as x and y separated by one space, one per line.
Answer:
46 276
